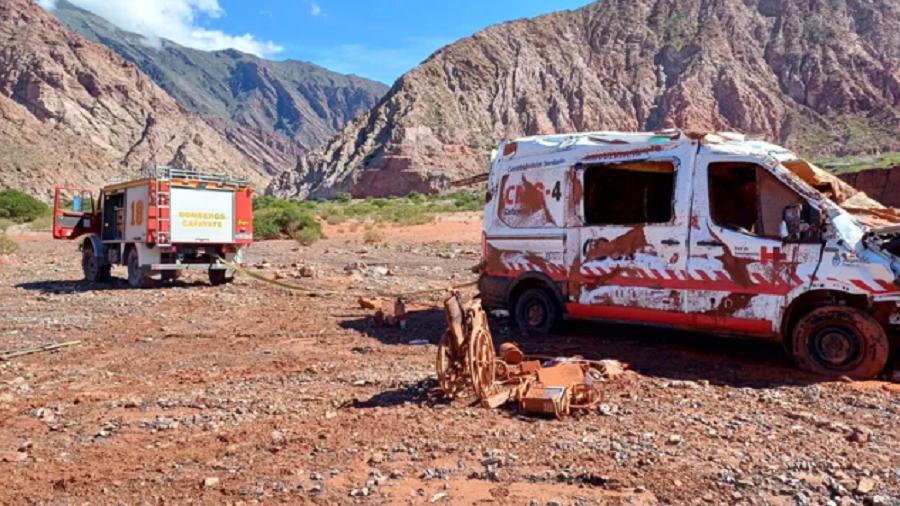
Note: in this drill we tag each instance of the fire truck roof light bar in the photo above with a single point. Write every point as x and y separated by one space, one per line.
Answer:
165 172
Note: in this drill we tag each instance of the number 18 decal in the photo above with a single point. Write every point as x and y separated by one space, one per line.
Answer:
137 212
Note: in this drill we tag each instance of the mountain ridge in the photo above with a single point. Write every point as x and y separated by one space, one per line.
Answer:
286 106
819 77
74 113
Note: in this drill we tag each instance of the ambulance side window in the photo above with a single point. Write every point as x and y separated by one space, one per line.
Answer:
748 198
629 193
732 196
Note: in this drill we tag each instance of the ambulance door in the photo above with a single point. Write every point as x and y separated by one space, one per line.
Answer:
630 249
741 247
527 238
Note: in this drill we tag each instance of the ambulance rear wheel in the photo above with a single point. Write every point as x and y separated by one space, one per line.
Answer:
840 341
219 277
94 270
137 275
535 310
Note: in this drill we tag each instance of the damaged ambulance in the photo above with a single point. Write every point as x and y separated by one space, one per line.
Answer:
697 231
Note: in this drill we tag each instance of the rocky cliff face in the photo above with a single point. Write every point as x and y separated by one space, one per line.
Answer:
73 112
882 185
272 111
819 76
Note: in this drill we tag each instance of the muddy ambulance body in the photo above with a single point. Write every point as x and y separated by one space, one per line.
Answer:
700 232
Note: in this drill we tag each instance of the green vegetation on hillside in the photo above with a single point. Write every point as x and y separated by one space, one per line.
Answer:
15 208
279 218
413 209
20 207
856 163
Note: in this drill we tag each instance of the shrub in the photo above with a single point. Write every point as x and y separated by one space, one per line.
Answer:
21 207
276 218
6 245
266 224
307 236
373 235
415 197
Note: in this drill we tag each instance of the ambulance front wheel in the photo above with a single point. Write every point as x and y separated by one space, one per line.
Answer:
535 310
840 341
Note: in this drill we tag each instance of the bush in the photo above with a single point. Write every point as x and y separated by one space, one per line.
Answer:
6 245
21 207
373 235
307 236
275 218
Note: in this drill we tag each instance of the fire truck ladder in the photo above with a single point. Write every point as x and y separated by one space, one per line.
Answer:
163 211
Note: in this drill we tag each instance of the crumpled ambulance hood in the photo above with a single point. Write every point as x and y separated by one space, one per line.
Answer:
866 210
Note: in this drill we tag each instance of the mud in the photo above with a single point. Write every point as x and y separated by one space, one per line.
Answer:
731 304
534 201
625 245
736 267
249 393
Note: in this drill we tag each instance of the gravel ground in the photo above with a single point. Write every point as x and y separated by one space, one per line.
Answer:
251 393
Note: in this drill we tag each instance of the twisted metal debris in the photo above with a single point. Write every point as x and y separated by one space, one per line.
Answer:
466 358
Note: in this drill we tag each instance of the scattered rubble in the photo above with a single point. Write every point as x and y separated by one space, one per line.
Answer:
291 399
465 356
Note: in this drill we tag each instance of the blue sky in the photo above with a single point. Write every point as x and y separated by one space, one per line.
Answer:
378 39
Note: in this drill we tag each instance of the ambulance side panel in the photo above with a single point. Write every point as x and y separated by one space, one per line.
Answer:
630 271
524 236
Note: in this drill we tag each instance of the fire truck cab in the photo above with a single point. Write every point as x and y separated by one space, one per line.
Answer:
708 232
162 223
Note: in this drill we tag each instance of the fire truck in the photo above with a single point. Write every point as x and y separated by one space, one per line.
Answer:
166 221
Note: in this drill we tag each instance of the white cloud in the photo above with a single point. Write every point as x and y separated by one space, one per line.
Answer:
176 20
315 9
47 4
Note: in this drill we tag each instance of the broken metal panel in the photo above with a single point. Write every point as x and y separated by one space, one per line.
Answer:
465 357
544 400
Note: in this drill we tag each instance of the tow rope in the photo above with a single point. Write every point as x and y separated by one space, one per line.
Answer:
315 293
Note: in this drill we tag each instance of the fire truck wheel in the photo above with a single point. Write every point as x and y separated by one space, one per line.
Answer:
170 276
137 276
535 310
94 271
219 277
840 341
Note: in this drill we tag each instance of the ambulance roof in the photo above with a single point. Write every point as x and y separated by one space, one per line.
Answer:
710 142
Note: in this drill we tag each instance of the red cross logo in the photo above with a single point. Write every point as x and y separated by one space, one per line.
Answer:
775 256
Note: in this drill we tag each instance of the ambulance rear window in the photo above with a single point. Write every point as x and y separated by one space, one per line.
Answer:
629 193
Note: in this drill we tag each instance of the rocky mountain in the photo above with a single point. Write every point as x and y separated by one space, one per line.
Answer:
820 76
73 112
882 185
273 111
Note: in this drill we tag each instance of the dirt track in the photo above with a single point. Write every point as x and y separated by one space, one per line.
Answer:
251 393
